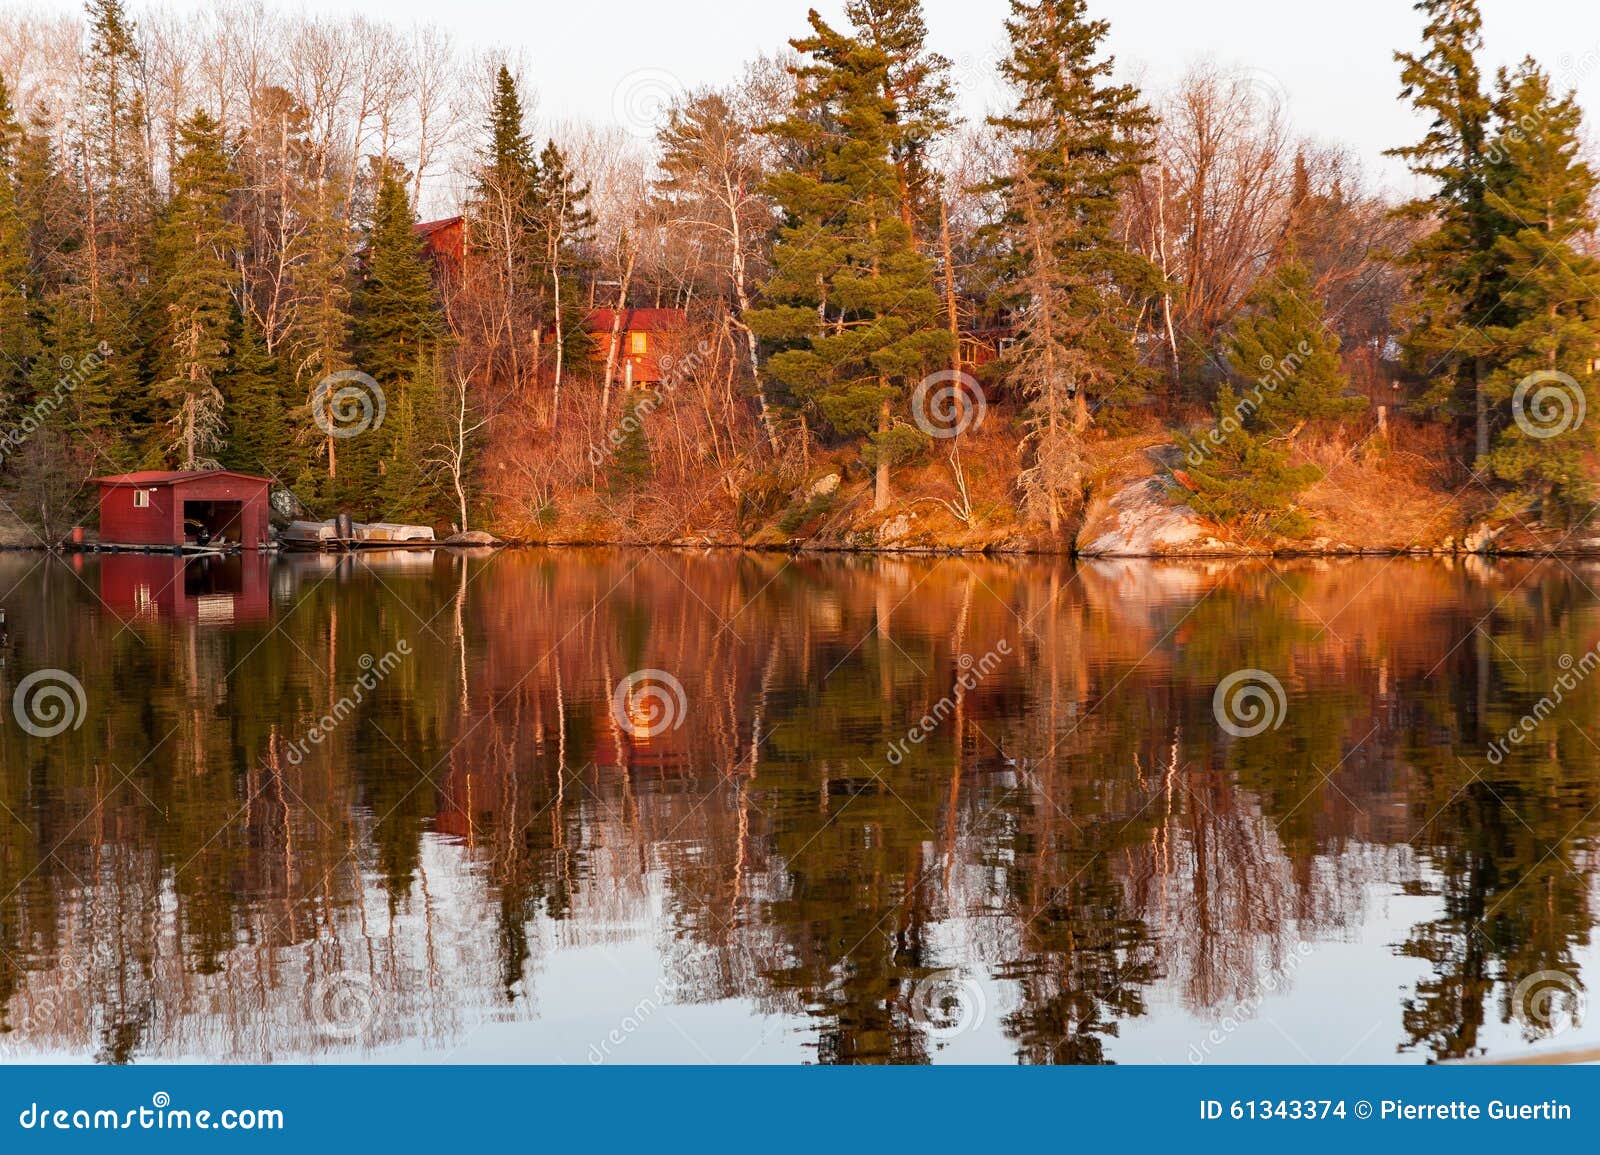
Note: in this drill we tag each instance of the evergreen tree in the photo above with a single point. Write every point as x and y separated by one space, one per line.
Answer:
917 84
396 314
118 189
1454 274
509 163
630 464
1282 343
397 327
321 338
257 410
1240 475
500 230
411 490
75 365
560 223
197 249
1241 472
852 302
1070 284
1547 334
17 336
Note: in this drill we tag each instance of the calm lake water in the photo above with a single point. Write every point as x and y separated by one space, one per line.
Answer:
627 806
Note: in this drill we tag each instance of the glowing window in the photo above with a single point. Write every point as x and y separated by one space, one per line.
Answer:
638 344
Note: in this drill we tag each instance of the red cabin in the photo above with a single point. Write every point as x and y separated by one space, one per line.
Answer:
444 243
172 510
647 335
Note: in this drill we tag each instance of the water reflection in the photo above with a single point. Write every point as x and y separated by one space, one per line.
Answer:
911 809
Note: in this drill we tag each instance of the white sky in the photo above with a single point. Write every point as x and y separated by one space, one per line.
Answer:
1332 60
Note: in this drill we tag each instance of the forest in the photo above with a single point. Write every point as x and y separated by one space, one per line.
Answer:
210 257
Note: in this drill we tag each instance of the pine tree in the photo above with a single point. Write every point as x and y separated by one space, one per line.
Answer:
118 190
73 363
1547 334
500 231
17 335
560 223
1283 345
1454 268
197 249
509 162
853 304
320 340
917 84
630 463
257 410
1240 469
411 489
396 314
1070 284
1240 474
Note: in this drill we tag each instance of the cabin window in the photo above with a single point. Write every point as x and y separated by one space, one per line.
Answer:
638 344
141 499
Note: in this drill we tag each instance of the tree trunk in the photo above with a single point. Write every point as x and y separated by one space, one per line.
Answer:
952 311
880 496
1481 403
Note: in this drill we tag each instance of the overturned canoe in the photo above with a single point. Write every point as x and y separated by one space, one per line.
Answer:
391 533
310 535
326 535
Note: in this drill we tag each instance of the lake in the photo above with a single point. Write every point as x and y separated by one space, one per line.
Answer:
635 806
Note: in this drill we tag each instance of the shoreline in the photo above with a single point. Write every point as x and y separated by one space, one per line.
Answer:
903 551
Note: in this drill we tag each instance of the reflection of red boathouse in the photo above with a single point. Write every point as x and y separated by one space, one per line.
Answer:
219 590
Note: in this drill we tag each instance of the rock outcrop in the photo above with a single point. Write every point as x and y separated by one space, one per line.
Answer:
1142 520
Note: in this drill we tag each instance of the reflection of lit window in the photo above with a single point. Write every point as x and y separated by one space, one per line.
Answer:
638 344
141 499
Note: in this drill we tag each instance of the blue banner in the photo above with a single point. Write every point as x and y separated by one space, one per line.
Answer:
778 1110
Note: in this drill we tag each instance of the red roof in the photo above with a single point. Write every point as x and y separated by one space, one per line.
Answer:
426 229
172 477
633 320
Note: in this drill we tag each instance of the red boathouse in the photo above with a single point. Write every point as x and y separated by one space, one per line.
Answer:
171 510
